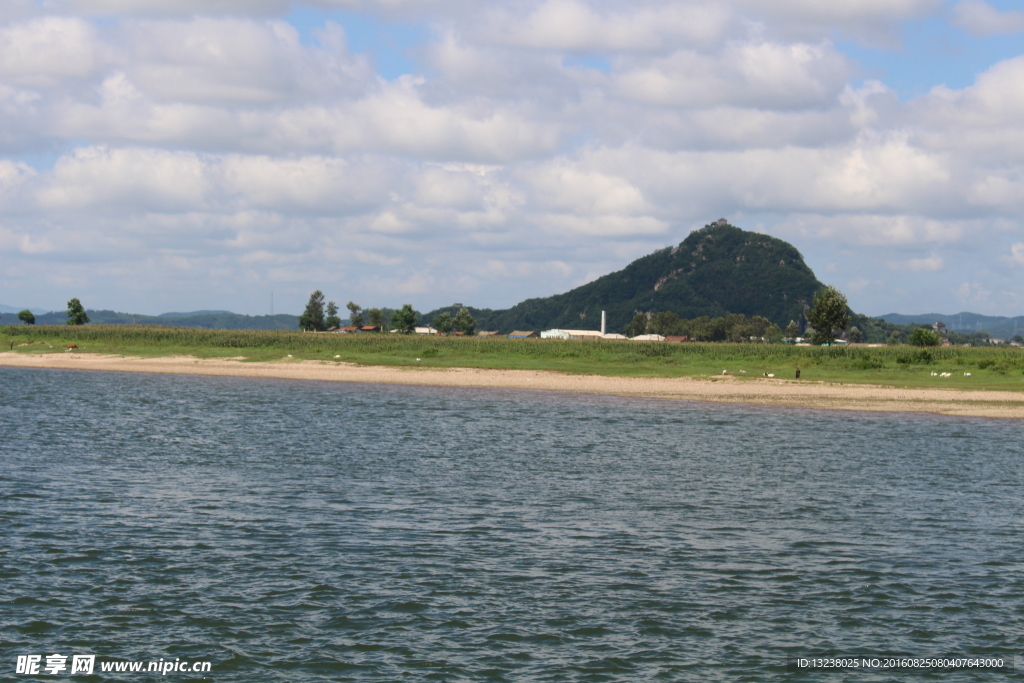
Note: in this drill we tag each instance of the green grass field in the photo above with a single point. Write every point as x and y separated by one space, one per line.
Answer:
991 368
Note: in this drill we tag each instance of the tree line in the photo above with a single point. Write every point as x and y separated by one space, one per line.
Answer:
320 316
829 315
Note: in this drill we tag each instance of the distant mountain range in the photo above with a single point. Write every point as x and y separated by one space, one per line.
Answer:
999 327
211 320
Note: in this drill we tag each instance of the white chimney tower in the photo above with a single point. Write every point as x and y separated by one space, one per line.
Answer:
602 323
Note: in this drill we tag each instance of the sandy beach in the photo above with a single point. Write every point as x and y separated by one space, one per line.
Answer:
754 391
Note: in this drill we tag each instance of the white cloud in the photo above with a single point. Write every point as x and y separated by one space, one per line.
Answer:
1017 253
44 51
871 21
981 121
766 75
225 61
982 19
576 26
929 264
877 230
13 176
973 293
188 8
309 184
110 179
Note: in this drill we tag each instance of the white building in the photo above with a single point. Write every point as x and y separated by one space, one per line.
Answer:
571 334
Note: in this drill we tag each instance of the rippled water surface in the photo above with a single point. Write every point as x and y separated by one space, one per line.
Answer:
290 531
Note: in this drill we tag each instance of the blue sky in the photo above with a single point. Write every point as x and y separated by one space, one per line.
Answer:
200 154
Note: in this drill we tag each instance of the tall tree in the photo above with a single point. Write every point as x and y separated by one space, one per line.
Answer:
638 325
829 314
443 322
355 314
312 319
666 324
376 317
405 320
792 330
27 317
76 313
332 319
464 322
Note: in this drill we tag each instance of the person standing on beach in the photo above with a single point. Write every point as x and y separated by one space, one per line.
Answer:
798 373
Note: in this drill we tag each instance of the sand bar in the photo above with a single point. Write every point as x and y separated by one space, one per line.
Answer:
754 391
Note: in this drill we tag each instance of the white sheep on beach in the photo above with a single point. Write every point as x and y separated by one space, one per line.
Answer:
967 374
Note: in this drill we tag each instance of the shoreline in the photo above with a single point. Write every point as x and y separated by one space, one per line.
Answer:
728 389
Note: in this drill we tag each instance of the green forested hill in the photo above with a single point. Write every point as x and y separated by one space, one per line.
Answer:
717 270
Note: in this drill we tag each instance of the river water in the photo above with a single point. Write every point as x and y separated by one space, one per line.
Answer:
305 531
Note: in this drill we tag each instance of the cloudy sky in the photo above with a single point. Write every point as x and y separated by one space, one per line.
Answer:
162 155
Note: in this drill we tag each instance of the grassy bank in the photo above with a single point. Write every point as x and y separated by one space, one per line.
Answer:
991 368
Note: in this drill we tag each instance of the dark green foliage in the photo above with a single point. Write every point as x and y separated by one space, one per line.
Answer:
355 314
854 335
312 319
923 337
666 324
919 357
637 326
868 361
829 313
332 319
792 330
464 322
376 317
443 323
875 330
26 316
76 313
969 339
735 328
717 270
405 320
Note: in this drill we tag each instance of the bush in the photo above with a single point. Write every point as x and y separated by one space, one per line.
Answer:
919 357
868 362
923 337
